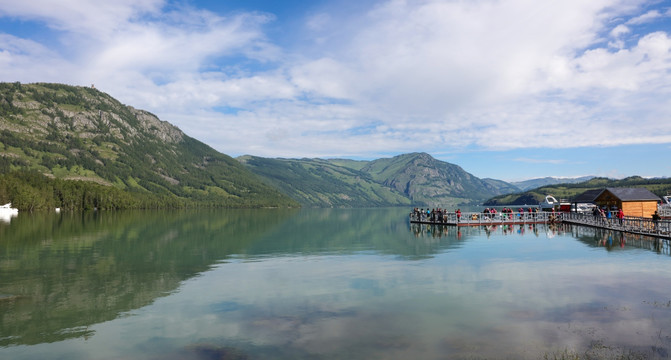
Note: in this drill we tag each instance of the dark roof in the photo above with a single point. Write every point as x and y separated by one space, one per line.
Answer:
587 197
633 194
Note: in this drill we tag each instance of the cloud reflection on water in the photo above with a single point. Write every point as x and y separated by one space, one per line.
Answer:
383 308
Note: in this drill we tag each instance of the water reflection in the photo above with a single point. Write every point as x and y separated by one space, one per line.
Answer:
62 273
616 240
321 284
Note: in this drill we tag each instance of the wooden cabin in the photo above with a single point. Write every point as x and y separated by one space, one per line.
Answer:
639 202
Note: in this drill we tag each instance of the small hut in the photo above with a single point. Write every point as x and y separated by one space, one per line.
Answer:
633 201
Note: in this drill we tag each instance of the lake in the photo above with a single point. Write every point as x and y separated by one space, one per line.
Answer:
325 284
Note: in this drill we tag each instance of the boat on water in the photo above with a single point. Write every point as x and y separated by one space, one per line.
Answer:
8 207
582 207
7 212
551 203
664 208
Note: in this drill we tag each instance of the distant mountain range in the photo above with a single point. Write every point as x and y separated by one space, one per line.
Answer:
536 183
121 157
659 186
415 179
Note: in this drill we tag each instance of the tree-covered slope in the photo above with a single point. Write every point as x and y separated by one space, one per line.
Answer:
546 181
324 183
412 179
427 180
658 186
80 133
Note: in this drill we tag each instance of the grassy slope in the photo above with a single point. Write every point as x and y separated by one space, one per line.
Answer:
81 133
323 183
567 191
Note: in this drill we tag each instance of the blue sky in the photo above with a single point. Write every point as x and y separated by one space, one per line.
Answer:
508 89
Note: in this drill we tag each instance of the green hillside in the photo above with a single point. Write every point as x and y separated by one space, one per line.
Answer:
78 133
426 180
547 181
324 183
415 179
567 191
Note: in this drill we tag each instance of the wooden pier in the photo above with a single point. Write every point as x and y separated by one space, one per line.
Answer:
483 219
633 225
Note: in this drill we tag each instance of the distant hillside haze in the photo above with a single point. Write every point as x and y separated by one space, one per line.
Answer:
536 183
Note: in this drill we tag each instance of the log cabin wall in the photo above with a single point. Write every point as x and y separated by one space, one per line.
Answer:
639 208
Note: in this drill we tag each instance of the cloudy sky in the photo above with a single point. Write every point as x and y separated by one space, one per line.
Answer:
509 89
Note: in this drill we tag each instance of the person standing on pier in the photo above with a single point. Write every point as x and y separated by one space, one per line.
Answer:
655 219
620 216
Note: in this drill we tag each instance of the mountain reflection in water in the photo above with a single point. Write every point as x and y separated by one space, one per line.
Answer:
324 284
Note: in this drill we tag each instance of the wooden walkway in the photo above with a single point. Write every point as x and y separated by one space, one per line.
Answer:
634 225
480 219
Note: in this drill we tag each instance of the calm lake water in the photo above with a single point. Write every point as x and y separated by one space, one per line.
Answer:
324 284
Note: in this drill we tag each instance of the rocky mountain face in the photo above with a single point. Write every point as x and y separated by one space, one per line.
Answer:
426 180
68 132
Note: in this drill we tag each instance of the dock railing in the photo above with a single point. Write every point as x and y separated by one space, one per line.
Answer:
477 218
630 224
637 225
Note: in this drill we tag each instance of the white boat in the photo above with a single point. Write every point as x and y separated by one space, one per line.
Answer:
549 203
664 209
7 212
582 207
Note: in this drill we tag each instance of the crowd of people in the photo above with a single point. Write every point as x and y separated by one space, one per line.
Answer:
433 215
438 215
606 215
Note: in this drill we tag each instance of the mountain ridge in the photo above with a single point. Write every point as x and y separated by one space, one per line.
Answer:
65 133
413 179
69 132
549 180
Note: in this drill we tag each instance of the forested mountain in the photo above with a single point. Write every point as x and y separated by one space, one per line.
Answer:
324 183
415 179
52 134
567 191
536 183
127 158
426 180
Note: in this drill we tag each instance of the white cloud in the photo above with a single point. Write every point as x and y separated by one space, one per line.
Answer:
86 17
406 75
28 61
619 31
645 18
325 78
